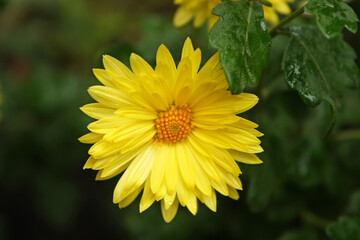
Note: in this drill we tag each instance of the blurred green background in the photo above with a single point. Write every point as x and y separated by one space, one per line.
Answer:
47 51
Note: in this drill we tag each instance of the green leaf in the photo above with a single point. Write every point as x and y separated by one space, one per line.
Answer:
243 40
319 68
345 229
332 16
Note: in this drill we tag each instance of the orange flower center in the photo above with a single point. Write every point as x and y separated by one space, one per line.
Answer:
173 125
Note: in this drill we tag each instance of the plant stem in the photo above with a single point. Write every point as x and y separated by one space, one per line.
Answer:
286 20
314 220
347 135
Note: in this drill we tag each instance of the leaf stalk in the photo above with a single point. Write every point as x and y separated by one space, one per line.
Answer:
352 134
286 20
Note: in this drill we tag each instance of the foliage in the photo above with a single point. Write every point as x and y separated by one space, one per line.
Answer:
332 16
318 68
243 40
344 229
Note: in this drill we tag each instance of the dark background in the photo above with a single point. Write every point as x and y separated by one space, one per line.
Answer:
47 51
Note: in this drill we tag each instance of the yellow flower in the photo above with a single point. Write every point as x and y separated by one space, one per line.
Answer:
280 6
201 10
172 129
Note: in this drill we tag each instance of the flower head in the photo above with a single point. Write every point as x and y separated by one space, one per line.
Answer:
172 129
201 10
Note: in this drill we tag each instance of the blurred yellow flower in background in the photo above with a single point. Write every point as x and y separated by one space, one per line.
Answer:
201 10
174 130
278 6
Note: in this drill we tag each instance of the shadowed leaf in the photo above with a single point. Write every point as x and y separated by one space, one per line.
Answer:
332 16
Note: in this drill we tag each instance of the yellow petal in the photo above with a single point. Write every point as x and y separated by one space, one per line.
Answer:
102 162
106 125
212 64
254 149
97 110
210 201
119 163
245 157
160 194
171 173
207 164
103 149
282 7
198 145
270 15
158 170
183 76
185 166
139 66
127 85
244 123
116 67
211 138
138 141
135 175
231 180
245 101
128 200
169 200
182 192
165 81
188 49
89 163
109 97
246 137
242 141
158 101
230 119
182 95
195 60
199 96
192 203
91 138
163 56
200 18
136 113
224 159
201 178
220 186
255 132
169 214
233 193
141 99
147 198
208 125
182 17
104 77
99 176
129 130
